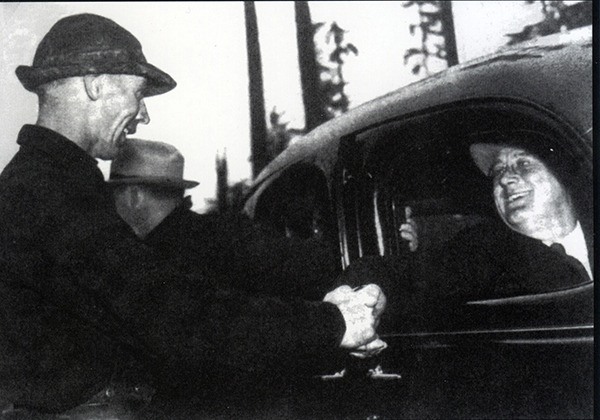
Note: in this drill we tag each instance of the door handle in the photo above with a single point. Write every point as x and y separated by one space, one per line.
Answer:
378 373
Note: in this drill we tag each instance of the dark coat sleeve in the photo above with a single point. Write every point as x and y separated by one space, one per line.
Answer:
267 262
247 256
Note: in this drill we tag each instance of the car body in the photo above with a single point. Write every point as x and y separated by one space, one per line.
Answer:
347 183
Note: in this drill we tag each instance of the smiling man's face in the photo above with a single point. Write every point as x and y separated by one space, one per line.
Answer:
529 198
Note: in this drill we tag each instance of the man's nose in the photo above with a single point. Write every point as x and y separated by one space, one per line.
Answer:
509 176
142 116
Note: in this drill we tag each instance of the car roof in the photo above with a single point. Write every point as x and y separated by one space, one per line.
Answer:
532 72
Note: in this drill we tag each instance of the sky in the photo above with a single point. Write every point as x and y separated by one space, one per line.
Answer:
202 46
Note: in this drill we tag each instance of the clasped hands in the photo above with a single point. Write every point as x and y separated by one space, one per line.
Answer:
361 308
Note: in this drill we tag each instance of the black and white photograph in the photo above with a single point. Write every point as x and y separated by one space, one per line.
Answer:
353 210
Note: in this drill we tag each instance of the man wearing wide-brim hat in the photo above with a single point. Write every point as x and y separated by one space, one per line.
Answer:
148 185
535 185
83 301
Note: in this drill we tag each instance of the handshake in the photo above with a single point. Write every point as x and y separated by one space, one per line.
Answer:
361 307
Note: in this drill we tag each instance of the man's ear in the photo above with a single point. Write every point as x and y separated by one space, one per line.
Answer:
93 86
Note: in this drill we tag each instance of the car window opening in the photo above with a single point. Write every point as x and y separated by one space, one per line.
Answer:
424 164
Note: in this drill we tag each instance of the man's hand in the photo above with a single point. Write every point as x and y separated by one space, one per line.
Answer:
408 230
370 349
361 307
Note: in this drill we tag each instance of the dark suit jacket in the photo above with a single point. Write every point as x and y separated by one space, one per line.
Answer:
482 262
80 295
491 261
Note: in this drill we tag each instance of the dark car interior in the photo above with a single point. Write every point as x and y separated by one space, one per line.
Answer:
298 205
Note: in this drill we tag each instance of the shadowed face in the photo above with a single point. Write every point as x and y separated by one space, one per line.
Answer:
528 197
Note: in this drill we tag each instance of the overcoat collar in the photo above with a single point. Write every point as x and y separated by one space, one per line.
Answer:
60 149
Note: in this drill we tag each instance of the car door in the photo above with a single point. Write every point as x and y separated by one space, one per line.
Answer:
525 354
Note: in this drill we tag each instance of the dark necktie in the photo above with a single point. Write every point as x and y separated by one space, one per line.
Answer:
559 248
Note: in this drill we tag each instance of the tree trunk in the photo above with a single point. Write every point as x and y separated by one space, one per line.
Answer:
312 96
258 123
449 34
222 183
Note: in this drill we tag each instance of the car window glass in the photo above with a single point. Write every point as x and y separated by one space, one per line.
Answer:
297 205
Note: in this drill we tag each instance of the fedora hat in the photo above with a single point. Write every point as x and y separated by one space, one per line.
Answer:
84 44
557 154
149 162
486 145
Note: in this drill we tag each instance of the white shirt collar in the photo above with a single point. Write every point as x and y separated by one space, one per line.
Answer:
575 246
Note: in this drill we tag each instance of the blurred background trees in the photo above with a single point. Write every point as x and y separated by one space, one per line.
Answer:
336 101
321 51
438 40
258 125
310 81
558 17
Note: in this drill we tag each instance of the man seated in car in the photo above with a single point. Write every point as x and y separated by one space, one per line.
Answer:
537 244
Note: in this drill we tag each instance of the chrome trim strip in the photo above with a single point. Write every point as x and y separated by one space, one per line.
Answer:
534 298
573 340
588 327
